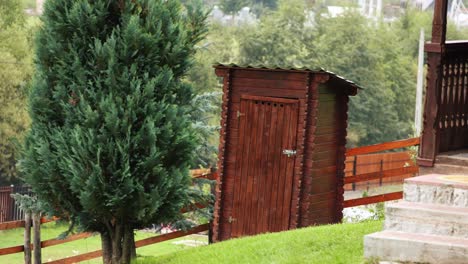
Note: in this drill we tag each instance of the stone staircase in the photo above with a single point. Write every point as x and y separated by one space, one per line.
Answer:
430 225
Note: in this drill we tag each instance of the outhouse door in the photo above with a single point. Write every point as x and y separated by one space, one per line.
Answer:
264 170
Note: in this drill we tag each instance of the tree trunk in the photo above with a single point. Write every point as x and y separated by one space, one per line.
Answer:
118 245
37 238
128 250
27 237
116 239
106 245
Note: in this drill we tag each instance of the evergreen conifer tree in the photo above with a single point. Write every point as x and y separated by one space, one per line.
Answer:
111 140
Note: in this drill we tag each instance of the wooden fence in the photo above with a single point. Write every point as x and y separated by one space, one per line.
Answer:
9 210
201 173
380 162
406 170
380 175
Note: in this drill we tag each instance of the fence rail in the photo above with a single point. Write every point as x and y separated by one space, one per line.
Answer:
139 243
383 147
373 199
381 174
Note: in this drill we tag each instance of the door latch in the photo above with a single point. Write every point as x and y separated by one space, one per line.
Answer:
239 114
230 219
289 152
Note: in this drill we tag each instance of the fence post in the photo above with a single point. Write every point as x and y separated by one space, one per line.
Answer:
27 237
354 171
37 237
381 172
11 205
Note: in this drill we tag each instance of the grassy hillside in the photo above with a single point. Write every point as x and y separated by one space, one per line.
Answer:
325 244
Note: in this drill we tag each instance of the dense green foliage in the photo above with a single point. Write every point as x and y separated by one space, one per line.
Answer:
111 140
338 244
15 73
380 57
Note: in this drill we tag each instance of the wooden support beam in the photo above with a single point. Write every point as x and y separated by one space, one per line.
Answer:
439 22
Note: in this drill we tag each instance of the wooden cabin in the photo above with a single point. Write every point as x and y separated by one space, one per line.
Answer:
445 128
282 149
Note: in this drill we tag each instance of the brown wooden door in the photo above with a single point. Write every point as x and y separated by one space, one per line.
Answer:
264 175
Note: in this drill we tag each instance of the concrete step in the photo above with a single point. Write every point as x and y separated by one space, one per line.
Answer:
428 219
459 158
450 169
439 189
418 248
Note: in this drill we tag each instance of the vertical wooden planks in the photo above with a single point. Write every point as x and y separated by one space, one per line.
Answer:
6 204
276 159
290 162
241 157
251 168
262 194
262 186
270 168
258 171
277 191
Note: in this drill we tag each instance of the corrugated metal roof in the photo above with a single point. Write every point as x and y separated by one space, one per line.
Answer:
289 68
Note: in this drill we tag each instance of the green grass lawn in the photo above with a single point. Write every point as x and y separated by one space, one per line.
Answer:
323 245
14 237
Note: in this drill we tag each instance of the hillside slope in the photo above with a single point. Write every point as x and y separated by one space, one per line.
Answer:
324 244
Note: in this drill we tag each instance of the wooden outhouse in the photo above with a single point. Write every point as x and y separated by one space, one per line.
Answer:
282 149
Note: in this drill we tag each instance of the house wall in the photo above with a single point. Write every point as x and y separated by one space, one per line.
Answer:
325 163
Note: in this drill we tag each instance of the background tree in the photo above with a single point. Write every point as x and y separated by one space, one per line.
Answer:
111 141
373 57
232 6
15 73
380 57
281 38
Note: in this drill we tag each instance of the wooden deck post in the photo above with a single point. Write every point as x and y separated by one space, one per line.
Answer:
429 147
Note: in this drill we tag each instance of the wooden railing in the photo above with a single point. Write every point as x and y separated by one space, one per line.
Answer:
201 173
452 114
446 97
411 169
